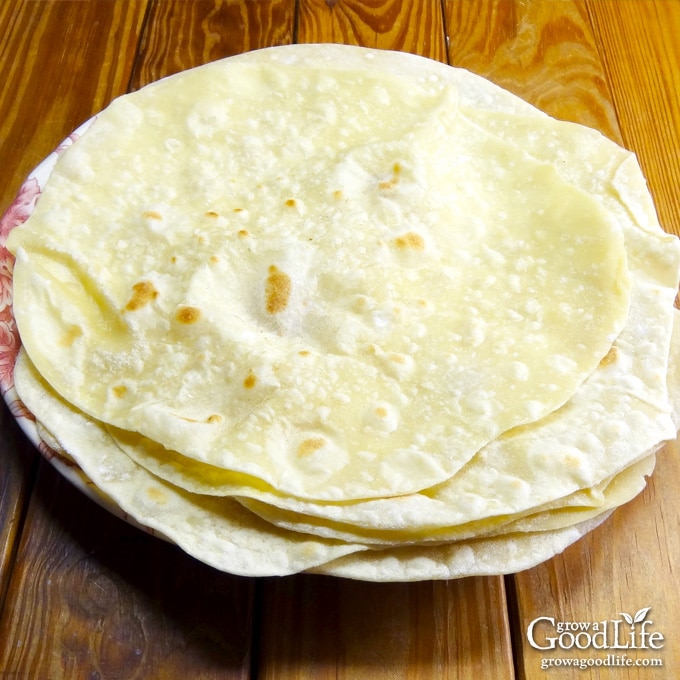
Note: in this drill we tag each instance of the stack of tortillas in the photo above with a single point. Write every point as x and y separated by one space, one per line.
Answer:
350 311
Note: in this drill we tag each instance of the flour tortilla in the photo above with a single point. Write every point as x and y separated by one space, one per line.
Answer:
506 554
404 267
614 419
573 509
182 516
505 506
620 411
674 370
219 532
576 508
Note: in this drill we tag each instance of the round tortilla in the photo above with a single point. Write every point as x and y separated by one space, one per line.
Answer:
223 534
396 325
293 291
618 413
216 530
483 556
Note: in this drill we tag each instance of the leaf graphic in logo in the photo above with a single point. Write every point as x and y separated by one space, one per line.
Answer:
627 617
640 615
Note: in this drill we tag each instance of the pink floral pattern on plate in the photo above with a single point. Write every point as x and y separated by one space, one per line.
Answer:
17 213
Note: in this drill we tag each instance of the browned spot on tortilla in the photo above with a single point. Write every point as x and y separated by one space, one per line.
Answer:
381 412
243 233
173 259
277 290
214 259
610 357
70 336
188 315
119 391
572 461
214 418
338 194
250 381
410 240
143 292
152 215
393 181
157 495
290 203
309 446
304 352
397 358
237 210
212 214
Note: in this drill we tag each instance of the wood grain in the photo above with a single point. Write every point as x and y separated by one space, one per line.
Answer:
333 628
544 52
46 93
414 27
88 597
18 462
321 628
548 54
641 55
627 564
372 629
92 597
180 34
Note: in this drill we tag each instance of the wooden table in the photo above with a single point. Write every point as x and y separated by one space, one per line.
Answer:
84 595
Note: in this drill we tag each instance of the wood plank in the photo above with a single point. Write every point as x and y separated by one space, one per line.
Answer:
88 585
548 54
386 24
93 597
45 94
48 91
629 563
15 468
18 463
316 627
324 628
84 609
645 80
544 52
181 35
625 565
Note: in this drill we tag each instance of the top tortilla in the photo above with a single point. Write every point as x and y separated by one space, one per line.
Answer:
344 296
